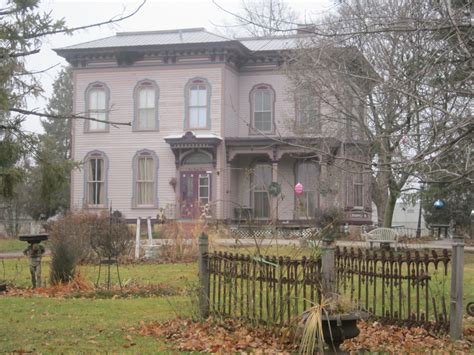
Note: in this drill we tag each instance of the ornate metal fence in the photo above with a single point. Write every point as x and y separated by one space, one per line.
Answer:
409 288
270 290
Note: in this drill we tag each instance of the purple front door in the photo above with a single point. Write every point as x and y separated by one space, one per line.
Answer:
195 192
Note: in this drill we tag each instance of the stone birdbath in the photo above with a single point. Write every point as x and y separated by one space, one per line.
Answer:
34 252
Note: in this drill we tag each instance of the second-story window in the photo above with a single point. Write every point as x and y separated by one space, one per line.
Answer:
197 104
146 106
262 102
97 99
307 112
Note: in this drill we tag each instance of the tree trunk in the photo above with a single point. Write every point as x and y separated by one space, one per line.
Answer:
380 195
389 209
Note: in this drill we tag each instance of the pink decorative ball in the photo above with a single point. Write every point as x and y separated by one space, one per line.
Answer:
299 189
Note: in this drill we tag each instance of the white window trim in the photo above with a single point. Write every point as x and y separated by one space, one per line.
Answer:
136 100
96 154
94 86
136 157
255 89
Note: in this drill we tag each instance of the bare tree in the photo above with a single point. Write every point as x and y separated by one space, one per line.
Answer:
393 80
24 29
259 18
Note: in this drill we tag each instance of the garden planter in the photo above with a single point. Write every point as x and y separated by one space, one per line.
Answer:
340 327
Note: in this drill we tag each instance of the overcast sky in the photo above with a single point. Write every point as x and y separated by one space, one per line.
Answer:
154 15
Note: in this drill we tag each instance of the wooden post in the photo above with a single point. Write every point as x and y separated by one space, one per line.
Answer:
328 266
137 238
150 236
203 276
455 314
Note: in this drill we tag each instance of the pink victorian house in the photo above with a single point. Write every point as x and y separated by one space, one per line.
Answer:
214 129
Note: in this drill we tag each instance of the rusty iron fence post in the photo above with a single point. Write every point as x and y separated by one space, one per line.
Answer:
455 314
203 276
328 268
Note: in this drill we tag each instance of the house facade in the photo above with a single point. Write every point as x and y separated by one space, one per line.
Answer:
215 128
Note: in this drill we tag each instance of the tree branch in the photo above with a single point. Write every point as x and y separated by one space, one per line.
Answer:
48 115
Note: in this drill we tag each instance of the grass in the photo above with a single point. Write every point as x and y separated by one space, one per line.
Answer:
16 271
9 245
45 325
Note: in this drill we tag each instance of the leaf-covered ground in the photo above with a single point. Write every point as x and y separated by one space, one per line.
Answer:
230 336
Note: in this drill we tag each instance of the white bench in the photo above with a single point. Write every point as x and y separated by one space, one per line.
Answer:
382 235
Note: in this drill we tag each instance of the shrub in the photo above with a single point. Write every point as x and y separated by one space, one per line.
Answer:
112 238
82 236
68 243
182 242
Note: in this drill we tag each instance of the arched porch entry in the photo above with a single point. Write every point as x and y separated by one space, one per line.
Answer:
195 159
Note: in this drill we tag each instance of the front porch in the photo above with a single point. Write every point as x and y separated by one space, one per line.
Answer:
263 172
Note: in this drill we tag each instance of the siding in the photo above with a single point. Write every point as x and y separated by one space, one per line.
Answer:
284 106
121 144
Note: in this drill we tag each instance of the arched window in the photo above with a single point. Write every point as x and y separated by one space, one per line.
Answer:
307 173
145 177
97 107
197 158
308 111
261 179
95 179
198 99
146 96
262 102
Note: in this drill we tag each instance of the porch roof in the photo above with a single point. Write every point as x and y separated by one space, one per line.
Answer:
297 142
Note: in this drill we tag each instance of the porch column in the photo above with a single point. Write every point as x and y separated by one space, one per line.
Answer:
228 209
274 199
323 180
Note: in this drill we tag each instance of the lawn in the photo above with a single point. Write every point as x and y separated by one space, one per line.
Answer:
42 324
47 325
9 245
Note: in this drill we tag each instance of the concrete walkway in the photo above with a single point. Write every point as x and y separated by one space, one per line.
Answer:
436 244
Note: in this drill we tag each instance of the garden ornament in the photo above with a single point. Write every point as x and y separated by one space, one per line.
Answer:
35 251
299 189
438 204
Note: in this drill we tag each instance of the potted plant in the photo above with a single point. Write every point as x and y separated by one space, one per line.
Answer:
331 321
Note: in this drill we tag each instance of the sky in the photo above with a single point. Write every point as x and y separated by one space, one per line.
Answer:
154 15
